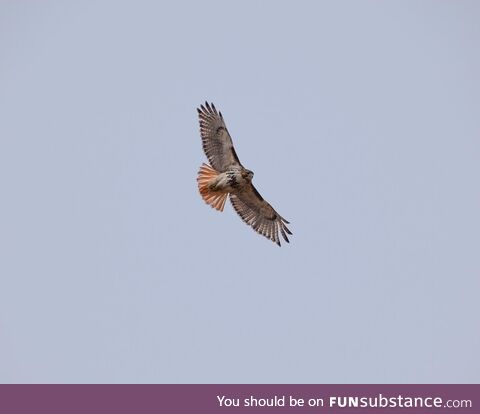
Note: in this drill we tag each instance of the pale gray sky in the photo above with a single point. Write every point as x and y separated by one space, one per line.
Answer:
361 121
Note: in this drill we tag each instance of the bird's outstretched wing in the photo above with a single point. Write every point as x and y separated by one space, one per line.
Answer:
256 212
216 140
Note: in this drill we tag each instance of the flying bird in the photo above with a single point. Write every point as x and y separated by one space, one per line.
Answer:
226 176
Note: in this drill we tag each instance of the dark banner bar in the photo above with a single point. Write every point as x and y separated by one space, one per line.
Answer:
150 399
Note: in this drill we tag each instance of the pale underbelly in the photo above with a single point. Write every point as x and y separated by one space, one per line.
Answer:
228 183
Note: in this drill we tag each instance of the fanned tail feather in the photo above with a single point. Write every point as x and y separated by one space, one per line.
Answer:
205 175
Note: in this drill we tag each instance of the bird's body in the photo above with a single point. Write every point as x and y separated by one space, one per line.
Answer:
233 179
227 177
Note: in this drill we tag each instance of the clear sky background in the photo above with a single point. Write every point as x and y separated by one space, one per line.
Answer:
361 121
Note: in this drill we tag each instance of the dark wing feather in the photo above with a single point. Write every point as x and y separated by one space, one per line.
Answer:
256 212
216 141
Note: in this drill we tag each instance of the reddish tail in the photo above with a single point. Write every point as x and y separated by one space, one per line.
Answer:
215 199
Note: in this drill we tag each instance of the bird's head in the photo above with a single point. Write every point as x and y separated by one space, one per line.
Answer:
247 174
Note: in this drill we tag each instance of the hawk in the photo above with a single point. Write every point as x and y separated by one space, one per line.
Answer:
226 176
